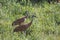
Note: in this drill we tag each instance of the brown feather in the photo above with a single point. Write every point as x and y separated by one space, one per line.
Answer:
19 21
22 27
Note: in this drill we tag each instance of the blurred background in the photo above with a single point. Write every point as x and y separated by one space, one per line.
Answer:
45 27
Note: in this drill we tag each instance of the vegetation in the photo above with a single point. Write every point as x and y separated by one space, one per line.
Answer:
45 27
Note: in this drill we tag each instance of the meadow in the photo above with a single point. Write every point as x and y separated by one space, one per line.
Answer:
45 27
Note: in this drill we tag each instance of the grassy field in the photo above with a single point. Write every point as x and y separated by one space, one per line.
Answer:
44 27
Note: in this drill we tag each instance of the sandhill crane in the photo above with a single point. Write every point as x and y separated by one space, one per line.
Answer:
19 21
23 27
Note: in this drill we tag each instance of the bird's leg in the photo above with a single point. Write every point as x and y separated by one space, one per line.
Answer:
24 32
18 33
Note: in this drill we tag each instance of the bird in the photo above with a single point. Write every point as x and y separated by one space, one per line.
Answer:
20 20
24 27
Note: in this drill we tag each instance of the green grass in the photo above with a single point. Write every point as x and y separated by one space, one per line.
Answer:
42 27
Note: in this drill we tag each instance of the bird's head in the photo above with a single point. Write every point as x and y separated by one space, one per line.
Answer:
27 13
33 16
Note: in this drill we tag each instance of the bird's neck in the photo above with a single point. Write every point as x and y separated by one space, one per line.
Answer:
30 22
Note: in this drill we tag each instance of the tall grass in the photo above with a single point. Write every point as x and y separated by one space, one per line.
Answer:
43 28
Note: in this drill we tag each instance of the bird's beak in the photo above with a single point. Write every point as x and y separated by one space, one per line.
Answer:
35 16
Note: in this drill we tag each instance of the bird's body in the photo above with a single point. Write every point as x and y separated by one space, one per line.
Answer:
22 27
20 20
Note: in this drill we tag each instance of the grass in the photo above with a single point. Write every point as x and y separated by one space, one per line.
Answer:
43 28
